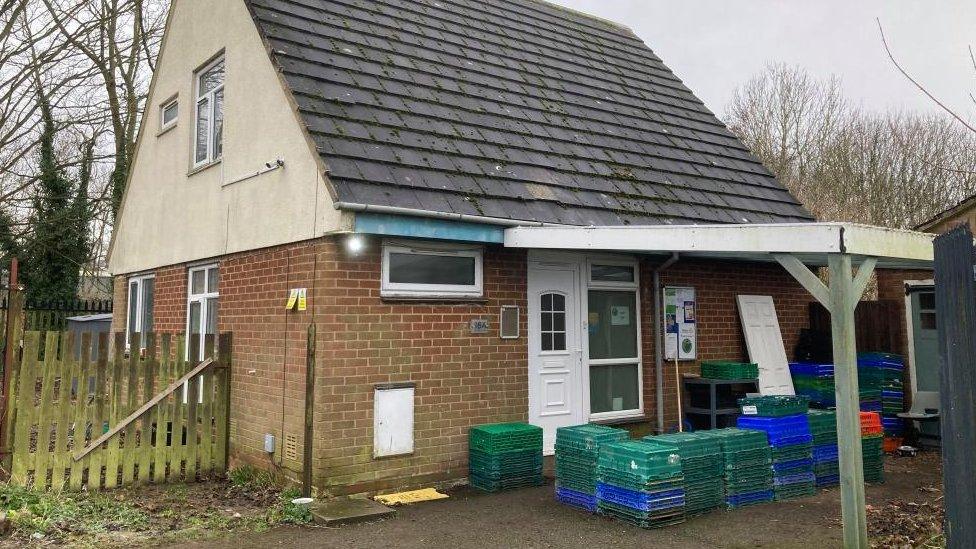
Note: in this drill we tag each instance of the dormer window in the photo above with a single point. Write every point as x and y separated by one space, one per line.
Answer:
208 137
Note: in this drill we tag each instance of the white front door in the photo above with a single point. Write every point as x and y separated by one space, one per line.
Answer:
555 349
764 342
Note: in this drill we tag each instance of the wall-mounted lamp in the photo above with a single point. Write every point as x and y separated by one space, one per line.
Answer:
355 244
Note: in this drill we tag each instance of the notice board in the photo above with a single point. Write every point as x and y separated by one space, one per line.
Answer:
680 328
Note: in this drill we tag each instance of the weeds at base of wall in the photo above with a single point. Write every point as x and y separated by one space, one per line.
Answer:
246 501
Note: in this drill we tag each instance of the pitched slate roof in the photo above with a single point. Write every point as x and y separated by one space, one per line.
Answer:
513 109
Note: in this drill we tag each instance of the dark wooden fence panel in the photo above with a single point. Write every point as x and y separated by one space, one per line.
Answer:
877 325
955 303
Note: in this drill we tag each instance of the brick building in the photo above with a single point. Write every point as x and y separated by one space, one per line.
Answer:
374 159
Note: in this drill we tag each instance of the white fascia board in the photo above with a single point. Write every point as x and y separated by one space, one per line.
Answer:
782 238
880 242
792 238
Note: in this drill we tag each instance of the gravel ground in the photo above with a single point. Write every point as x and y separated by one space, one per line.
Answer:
530 518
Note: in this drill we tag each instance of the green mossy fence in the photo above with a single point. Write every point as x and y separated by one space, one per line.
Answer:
77 421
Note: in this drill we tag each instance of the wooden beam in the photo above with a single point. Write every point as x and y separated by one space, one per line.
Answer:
864 273
805 277
842 288
143 409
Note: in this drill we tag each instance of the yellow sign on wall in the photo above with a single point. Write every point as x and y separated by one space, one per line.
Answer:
297 297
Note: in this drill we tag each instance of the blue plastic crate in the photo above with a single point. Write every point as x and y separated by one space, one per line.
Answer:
641 501
779 430
798 478
792 465
828 480
811 369
573 498
749 498
782 442
827 452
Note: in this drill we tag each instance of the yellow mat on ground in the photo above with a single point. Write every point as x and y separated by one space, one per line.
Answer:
414 496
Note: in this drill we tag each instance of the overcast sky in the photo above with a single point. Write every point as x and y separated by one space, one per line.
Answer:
716 45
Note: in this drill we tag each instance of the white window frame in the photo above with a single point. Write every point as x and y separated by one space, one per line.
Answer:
392 289
210 97
163 124
140 307
630 287
202 299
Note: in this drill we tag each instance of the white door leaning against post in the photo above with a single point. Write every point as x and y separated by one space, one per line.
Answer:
764 342
555 349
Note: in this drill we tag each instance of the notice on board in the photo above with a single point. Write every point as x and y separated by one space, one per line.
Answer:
680 329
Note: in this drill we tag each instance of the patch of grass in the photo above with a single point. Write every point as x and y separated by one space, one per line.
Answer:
249 477
292 513
58 514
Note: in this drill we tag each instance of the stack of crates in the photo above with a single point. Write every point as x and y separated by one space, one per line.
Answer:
826 465
702 466
872 447
816 382
641 483
892 368
792 453
504 456
577 452
722 369
870 377
747 466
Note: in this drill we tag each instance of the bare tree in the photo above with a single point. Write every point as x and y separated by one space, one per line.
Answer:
93 59
893 169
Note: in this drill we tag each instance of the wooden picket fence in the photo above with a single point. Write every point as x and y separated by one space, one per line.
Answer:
53 315
63 401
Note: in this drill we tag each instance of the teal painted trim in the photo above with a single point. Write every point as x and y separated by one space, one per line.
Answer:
422 227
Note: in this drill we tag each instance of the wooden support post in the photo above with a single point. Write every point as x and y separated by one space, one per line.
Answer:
842 303
11 368
309 412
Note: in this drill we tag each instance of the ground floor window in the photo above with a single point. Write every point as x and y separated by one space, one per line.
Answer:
614 351
431 270
201 308
140 314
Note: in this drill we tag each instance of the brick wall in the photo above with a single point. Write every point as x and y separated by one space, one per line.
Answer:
362 339
716 284
462 379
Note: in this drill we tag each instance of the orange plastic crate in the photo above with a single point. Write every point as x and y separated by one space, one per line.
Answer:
891 444
871 423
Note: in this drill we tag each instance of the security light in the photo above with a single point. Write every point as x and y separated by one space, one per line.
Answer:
355 244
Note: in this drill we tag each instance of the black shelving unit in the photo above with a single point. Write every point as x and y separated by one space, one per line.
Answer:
713 403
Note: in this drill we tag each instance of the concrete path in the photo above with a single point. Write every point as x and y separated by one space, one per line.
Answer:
530 518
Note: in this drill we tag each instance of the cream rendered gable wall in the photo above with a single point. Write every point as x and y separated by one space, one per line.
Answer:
170 215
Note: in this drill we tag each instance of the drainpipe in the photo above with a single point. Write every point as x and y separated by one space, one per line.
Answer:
659 339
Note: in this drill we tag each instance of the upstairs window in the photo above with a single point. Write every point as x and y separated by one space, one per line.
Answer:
208 137
169 112
435 271
140 314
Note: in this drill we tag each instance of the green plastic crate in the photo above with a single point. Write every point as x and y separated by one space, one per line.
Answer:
498 485
721 369
588 438
505 437
518 463
655 519
792 452
689 445
775 406
641 459
794 491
